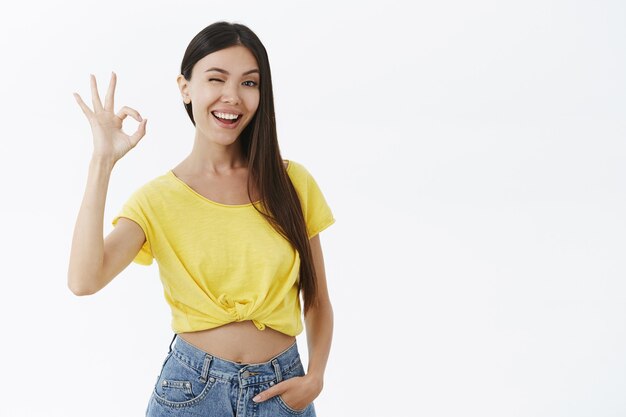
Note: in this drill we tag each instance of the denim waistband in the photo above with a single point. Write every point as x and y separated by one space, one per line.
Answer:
245 373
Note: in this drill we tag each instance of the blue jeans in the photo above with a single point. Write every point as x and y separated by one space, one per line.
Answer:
195 383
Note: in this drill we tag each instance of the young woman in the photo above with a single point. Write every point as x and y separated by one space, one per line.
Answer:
235 232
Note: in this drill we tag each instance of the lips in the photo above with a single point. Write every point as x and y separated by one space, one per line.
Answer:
227 124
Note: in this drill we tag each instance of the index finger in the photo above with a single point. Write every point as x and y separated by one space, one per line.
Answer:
109 100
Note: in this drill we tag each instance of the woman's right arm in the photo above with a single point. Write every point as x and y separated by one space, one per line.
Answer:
86 257
95 261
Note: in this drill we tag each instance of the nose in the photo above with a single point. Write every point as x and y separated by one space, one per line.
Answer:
229 93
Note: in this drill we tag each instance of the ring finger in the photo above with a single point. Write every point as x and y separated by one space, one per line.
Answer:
95 98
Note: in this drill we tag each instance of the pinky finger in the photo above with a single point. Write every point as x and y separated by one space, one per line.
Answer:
83 106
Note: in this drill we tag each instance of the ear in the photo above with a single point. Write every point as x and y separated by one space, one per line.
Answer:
183 85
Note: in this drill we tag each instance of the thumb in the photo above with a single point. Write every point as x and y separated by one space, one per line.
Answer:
139 133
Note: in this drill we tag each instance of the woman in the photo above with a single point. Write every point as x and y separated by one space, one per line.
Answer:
235 231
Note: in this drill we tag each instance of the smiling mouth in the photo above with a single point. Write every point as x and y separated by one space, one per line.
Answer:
227 121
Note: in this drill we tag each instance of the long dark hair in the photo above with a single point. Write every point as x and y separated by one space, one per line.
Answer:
259 143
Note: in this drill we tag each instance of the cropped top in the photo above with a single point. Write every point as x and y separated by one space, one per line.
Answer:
221 263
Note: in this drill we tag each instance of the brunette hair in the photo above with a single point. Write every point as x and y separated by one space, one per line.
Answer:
259 143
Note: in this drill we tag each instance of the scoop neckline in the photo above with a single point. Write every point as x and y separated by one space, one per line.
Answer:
170 172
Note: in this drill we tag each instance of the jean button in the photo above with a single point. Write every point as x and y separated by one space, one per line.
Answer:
245 374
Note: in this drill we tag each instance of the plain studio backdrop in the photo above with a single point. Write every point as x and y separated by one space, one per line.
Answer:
472 154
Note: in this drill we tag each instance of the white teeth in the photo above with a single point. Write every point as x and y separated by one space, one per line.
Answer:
226 115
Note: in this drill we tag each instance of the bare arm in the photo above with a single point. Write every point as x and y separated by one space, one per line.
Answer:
319 333
93 260
86 257
319 320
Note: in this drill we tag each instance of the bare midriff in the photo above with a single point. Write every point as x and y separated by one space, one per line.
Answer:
240 342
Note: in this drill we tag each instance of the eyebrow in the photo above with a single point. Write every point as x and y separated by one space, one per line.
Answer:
226 72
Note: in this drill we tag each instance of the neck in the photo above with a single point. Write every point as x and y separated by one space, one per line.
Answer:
210 157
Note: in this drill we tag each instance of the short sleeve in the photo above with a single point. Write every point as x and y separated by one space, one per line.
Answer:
132 209
318 214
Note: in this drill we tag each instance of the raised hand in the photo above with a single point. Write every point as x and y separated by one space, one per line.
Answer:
109 141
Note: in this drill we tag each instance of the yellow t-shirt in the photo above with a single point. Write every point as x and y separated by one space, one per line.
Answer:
221 263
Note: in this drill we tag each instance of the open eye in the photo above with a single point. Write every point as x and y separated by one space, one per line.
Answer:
254 83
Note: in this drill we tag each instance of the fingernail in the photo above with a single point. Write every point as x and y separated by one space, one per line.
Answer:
256 399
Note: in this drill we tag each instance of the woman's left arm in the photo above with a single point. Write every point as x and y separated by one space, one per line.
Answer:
319 320
298 392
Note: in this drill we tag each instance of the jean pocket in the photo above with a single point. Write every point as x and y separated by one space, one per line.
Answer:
296 370
289 408
179 385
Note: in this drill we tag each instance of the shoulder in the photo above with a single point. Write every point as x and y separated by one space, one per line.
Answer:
296 170
302 179
150 188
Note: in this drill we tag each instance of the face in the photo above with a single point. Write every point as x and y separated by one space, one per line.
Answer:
223 83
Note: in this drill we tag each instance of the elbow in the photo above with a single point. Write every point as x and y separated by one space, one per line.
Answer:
79 289
323 308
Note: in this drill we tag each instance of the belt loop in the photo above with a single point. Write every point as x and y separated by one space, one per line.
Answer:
205 367
170 351
279 375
